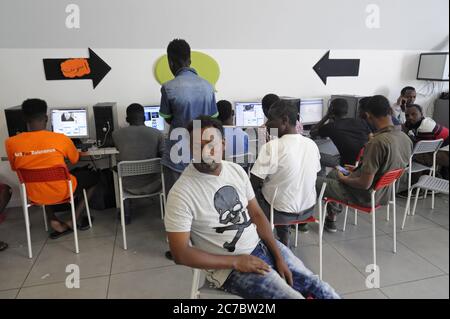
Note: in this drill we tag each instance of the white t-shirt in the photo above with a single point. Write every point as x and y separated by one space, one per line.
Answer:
290 163
398 113
214 210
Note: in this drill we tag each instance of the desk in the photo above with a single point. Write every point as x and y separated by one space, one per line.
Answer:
111 152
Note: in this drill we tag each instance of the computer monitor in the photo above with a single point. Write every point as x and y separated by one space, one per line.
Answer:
353 104
311 111
152 117
249 114
71 122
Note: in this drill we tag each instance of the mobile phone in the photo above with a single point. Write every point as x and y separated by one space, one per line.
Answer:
343 170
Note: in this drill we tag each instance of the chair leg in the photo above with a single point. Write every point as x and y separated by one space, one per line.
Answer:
161 205
374 239
407 209
345 218
415 202
296 235
432 200
122 222
74 219
88 211
356 217
27 223
195 284
45 218
388 212
320 238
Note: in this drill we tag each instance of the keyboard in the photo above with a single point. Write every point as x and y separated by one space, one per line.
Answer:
321 142
84 146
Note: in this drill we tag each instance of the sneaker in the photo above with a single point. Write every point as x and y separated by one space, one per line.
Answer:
303 228
84 223
330 226
168 255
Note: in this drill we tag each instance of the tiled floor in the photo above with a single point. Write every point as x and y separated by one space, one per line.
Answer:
420 269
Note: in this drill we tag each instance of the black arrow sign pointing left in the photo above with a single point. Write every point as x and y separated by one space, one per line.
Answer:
336 67
92 68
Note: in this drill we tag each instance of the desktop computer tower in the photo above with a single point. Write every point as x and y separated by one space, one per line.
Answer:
105 118
15 121
353 104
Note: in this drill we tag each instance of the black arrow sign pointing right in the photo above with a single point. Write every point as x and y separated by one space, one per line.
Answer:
98 69
336 67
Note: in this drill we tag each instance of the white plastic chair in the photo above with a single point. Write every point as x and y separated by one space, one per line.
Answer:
207 288
138 168
51 174
422 147
430 183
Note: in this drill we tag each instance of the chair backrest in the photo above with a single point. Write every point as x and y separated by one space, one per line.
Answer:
388 178
136 168
42 175
423 147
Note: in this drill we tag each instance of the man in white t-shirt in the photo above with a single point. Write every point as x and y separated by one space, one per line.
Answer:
407 97
288 167
214 222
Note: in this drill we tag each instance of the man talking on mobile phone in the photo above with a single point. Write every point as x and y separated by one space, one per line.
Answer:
407 97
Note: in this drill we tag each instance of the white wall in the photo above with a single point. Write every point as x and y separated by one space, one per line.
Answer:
245 75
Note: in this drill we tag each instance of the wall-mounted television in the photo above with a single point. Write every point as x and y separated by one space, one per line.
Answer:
433 66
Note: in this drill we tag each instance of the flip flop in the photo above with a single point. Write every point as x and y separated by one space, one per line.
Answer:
3 246
56 234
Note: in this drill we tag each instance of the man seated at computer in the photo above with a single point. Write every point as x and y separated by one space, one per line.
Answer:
236 140
214 222
39 148
138 142
407 97
422 128
348 134
288 166
389 149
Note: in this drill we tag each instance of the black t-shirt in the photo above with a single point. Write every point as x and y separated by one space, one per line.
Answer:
349 136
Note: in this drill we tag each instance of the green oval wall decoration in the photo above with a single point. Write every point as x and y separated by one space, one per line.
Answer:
205 65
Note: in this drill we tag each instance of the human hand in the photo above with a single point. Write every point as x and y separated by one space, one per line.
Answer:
249 263
284 272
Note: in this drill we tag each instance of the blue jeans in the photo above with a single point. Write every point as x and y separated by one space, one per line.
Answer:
272 286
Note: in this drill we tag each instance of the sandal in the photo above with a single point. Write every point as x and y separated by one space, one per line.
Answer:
3 246
56 234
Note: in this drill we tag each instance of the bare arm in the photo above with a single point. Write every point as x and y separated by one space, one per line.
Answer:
360 182
315 130
184 254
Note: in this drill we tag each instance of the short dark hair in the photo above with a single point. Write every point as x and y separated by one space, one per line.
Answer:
362 107
268 101
417 106
34 109
179 51
406 89
135 110
284 108
378 106
205 122
339 107
225 110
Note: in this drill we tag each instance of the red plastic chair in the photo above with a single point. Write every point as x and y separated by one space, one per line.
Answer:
387 180
312 219
43 175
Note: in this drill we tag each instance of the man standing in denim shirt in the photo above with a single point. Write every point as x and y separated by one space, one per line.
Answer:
182 99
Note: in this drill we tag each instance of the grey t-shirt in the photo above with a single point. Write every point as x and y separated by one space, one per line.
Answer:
139 143
213 209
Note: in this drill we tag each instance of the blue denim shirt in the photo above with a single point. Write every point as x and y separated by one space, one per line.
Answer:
183 99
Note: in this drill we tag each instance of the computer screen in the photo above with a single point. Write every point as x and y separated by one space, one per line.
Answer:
70 122
152 117
311 111
433 66
249 114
